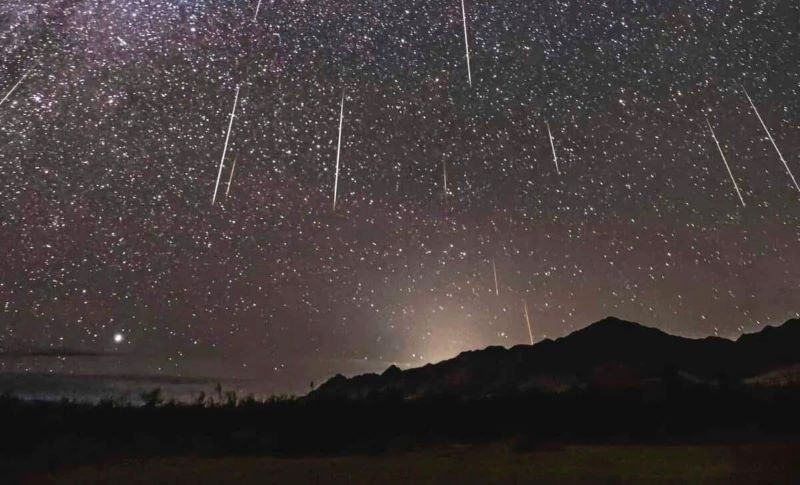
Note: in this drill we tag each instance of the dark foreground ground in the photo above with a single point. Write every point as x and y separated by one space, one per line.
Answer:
495 463
686 434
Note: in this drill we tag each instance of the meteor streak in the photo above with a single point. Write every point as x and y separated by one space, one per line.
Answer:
444 173
466 41
230 179
735 185
225 149
528 321
553 146
769 135
258 7
14 88
338 154
496 286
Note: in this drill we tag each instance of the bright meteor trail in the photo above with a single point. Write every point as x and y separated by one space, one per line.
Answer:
735 185
258 7
769 135
11 91
528 321
225 149
466 40
553 146
338 153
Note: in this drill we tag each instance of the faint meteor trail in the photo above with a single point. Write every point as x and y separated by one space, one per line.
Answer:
735 185
277 106
14 88
496 286
338 154
553 146
258 7
225 149
444 183
528 321
769 135
230 179
466 41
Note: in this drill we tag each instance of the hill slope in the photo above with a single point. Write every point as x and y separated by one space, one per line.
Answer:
611 353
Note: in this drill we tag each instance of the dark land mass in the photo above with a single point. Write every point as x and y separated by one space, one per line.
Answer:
609 354
627 402
478 464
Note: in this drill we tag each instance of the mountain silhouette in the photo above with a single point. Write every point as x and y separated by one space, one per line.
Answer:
611 353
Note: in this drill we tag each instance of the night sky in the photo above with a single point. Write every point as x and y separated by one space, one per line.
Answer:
117 263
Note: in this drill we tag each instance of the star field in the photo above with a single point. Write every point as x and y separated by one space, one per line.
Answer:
110 147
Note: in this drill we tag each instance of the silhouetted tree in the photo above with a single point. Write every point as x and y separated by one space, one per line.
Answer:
218 390
152 398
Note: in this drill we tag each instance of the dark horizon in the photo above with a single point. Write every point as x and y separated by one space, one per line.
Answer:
128 387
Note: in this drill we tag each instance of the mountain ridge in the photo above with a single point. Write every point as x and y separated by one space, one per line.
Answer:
610 353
